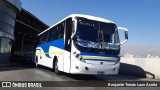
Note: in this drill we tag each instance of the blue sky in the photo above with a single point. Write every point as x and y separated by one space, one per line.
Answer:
141 17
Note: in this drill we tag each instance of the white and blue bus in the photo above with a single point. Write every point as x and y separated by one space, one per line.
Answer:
81 44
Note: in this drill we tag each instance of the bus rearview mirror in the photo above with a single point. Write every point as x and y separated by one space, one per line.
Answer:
125 34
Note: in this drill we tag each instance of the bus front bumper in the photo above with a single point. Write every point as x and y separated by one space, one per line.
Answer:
94 69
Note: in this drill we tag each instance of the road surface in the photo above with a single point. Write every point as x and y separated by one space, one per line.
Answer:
26 72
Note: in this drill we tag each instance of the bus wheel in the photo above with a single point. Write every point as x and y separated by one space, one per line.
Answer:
37 66
56 68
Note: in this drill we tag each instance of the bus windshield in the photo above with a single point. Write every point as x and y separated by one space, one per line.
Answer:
96 35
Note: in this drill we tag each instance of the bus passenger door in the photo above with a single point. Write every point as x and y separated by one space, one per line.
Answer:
67 54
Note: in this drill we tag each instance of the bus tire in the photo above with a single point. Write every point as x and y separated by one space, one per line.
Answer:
56 68
37 65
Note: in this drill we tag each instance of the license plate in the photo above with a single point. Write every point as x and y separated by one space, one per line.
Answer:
100 72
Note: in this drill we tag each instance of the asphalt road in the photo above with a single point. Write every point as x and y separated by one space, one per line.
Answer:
26 72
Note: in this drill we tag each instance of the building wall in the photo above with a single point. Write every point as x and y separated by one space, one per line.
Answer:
8 11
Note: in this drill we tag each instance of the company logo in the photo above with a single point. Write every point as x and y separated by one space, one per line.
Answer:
6 84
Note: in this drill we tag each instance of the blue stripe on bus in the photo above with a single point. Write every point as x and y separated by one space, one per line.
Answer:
56 43
94 54
101 60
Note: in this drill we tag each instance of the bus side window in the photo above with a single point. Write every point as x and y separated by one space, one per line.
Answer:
45 37
54 34
48 35
57 32
61 30
60 35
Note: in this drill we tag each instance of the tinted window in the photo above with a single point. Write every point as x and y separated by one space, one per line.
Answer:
57 32
45 37
68 33
108 29
87 30
54 34
60 30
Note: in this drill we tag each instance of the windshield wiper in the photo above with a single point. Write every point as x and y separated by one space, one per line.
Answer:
102 40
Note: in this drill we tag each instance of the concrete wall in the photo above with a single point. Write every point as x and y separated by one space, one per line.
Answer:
141 67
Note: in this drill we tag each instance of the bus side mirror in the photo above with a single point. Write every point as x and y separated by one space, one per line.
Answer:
125 34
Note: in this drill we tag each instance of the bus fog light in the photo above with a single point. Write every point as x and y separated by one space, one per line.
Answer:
77 56
86 68
77 67
81 58
74 52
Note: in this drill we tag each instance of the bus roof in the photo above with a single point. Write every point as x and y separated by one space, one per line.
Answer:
80 15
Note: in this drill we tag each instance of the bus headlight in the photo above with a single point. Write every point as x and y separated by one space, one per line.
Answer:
79 57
